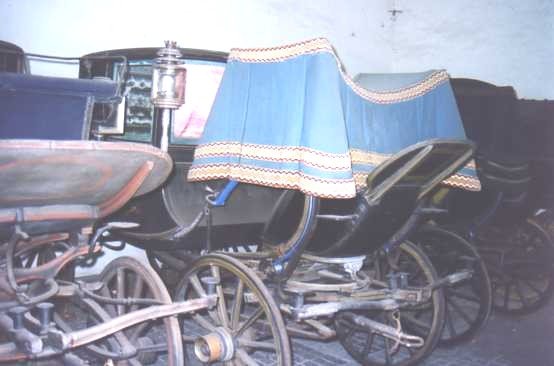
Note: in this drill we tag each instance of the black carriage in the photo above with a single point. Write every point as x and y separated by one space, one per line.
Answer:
330 267
262 225
513 162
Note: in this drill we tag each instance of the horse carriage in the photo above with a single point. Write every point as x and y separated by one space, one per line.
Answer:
295 209
500 220
513 159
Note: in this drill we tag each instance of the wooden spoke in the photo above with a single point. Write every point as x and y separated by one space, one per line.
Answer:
235 311
138 287
267 346
388 356
203 322
450 324
105 291
221 305
141 328
461 295
251 320
245 358
120 289
197 285
256 326
368 344
410 319
459 310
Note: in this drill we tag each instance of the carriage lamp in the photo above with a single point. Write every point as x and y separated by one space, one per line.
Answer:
168 86
168 78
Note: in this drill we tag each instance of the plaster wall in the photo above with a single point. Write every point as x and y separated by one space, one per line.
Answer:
502 42
506 42
78 27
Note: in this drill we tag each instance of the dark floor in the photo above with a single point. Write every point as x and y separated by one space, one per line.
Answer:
506 341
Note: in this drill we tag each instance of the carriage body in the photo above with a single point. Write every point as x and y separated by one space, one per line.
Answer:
242 219
403 169
178 201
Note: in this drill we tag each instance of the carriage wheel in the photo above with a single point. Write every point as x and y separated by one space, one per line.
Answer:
521 270
425 320
43 254
468 303
244 328
126 277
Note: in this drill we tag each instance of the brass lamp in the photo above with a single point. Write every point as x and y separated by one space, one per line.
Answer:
168 85
168 78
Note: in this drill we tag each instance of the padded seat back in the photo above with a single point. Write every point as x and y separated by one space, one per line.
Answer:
53 108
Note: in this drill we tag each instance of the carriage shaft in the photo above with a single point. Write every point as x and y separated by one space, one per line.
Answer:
65 341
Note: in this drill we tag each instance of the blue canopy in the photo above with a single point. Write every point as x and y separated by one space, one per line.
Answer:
290 117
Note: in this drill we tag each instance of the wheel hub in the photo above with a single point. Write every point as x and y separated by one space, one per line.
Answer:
215 346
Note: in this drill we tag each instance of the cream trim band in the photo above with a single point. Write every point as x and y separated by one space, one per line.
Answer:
336 188
317 45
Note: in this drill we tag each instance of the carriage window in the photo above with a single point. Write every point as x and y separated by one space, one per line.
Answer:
139 111
203 80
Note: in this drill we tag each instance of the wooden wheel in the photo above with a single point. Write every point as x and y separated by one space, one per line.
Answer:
425 320
520 261
469 302
245 327
126 277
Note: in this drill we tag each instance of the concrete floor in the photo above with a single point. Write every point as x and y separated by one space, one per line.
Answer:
505 341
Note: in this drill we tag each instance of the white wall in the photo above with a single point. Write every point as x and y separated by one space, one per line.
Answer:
80 27
503 42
